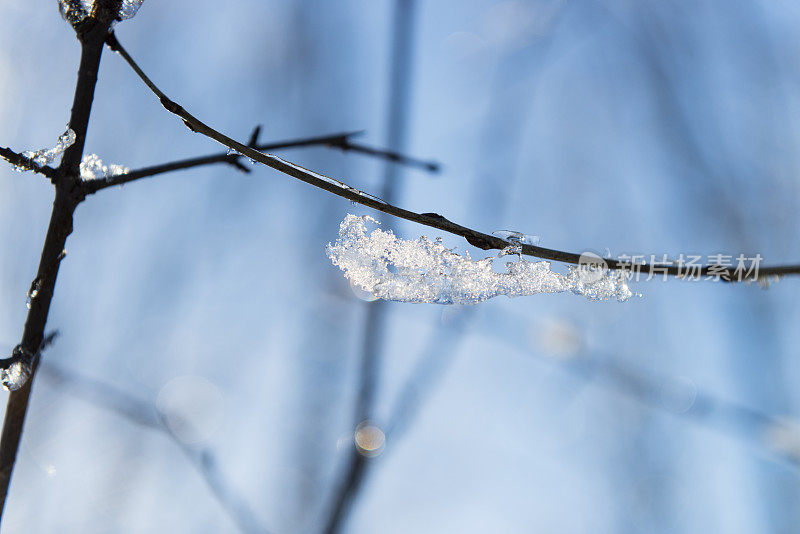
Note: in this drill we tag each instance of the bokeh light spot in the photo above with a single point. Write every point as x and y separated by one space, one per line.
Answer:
369 439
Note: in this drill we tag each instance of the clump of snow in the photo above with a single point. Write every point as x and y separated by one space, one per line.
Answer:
75 11
93 168
46 156
426 271
19 370
515 240
129 8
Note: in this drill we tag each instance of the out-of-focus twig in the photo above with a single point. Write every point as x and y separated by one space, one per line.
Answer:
707 410
145 414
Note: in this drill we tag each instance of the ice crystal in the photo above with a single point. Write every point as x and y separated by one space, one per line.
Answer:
93 168
517 237
74 11
33 292
19 370
129 8
426 271
46 156
516 240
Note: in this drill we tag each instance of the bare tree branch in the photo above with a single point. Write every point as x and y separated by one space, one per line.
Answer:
340 140
68 196
433 220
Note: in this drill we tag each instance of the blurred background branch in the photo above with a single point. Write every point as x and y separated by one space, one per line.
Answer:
146 415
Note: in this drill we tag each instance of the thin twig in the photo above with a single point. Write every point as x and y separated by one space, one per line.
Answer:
146 415
339 140
18 160
396 157
433 220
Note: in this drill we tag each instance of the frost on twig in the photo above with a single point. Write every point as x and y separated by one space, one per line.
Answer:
426 271
16 370
74 11
46 156
93 168
19 369
129 8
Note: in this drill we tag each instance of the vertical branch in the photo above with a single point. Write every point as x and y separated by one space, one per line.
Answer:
375 324
67 198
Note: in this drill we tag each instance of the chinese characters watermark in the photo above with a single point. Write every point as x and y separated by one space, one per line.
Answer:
713 267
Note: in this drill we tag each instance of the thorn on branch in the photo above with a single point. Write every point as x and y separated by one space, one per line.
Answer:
253 143
235 159
111 41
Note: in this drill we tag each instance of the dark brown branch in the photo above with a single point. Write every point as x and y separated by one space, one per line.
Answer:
18 160
68 196
340 140
433 220
144 414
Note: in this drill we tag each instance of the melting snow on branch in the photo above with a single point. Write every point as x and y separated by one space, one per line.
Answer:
75 11
93 168
46 156
428 272
18 371
129 8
